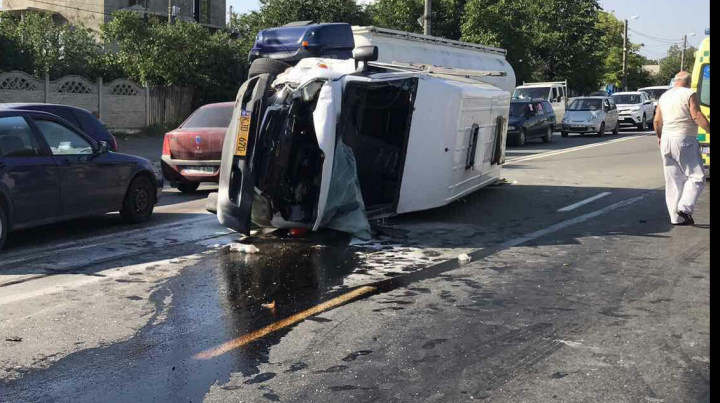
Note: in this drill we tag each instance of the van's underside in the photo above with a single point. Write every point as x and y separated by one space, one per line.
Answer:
287 163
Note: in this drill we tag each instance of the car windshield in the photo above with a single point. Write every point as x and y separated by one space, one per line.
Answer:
627 99
586 105
532 93
517 109
216 116
656 93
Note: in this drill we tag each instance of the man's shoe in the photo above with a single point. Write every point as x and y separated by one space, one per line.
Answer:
687 217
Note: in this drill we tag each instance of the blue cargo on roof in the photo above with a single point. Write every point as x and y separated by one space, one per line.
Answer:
294 42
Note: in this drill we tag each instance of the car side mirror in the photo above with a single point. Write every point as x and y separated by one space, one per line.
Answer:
103 147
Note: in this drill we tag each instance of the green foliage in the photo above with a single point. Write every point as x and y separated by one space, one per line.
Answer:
183 54
545 39
403 15
37 46
612 54
670 65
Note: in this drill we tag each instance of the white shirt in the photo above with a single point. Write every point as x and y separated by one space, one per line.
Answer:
675 108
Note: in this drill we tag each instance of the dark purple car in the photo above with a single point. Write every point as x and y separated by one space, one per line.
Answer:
50 171
78 117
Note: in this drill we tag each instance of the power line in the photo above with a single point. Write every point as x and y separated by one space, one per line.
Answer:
654 38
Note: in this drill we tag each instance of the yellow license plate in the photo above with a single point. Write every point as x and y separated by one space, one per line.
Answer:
243 134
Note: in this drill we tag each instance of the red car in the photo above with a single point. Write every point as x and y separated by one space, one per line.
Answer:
192 152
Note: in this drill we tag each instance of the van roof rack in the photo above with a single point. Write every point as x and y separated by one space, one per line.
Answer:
432 69
427 38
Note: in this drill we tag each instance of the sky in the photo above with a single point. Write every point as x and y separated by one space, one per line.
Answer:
662 19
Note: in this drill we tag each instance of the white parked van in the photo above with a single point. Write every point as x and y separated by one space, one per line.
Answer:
333 143
554 92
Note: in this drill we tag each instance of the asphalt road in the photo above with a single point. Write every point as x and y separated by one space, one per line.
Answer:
578 290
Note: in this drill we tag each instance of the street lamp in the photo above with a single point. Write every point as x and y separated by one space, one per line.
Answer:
682 58
625 51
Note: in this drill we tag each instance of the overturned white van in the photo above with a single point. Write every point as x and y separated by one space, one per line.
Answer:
329 144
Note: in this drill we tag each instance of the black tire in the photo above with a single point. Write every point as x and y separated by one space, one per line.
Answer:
602 131
616 130
548 136
267 66
139 201
4 227
188 187
564 134
642 126
521 138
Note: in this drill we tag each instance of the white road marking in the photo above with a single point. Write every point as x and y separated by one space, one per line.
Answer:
570 150
564 224
584 202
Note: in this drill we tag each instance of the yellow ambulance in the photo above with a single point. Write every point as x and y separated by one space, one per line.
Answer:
701 84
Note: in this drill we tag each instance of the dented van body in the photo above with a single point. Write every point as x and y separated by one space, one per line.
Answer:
328 145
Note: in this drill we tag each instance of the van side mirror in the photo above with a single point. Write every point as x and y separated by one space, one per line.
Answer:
365 54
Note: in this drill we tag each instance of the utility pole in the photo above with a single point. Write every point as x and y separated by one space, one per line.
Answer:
682 59
428 12
169 11
625 55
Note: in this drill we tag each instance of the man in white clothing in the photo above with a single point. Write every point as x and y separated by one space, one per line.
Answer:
676 123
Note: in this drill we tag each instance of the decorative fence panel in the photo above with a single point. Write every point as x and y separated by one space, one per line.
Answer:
121 104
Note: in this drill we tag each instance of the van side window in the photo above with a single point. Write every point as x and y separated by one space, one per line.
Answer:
554 94
540 110
548 107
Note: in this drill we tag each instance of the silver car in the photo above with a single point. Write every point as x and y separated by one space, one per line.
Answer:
591 115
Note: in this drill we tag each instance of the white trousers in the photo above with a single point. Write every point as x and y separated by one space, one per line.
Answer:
684 174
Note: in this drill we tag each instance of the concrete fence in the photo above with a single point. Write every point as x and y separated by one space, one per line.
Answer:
120 104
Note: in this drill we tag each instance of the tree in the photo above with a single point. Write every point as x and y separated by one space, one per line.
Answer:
670 65
545 39
183 54
611 46
38 46
403 15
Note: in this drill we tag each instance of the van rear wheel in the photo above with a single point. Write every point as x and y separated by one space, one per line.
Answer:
267 66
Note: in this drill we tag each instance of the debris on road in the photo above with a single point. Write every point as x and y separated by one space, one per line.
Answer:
14 339
242 248
464 258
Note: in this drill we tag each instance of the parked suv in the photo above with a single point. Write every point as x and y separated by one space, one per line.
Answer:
591 115
635 109
530 119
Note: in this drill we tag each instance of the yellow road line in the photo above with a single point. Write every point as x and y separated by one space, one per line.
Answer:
298 317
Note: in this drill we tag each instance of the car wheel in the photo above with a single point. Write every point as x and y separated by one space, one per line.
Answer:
616 130
139 201
602 130
548 136
522 138
188 187
267 66
642 126
4 227
564 134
